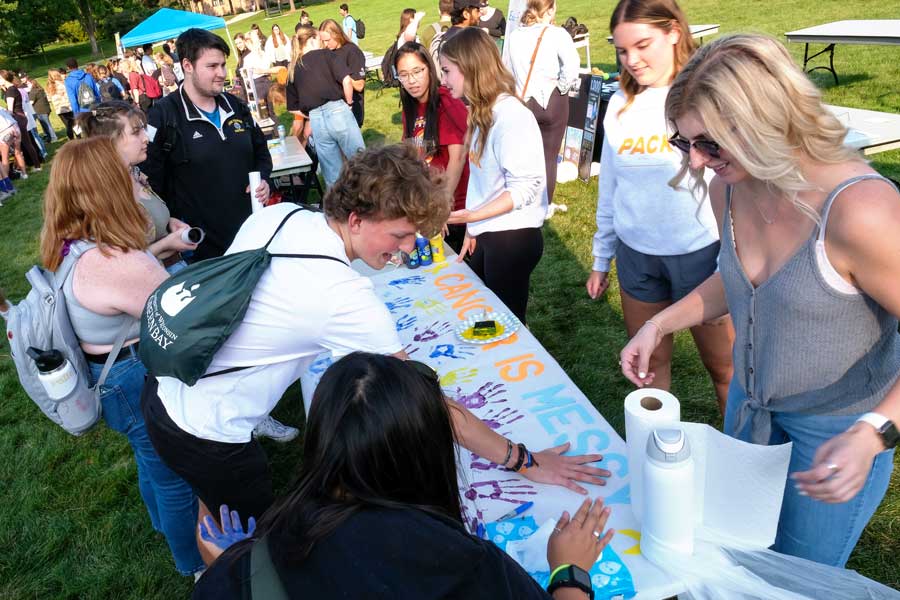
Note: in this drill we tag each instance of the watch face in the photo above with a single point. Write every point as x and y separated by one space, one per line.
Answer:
582 577
890 435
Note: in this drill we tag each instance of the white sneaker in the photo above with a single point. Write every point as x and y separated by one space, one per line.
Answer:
279 432
23 176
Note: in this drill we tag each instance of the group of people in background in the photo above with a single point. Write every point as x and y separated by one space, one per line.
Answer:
718 226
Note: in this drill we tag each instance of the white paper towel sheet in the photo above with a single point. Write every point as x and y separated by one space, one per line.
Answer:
738 487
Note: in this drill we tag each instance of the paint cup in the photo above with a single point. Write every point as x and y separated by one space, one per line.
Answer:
255 180
424 249
437 249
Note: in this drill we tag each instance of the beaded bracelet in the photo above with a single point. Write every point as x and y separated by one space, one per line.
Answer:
509 448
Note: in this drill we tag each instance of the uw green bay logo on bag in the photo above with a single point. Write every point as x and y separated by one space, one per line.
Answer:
176 298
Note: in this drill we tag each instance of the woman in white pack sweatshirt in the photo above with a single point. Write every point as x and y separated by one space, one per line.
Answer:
506 201
665 240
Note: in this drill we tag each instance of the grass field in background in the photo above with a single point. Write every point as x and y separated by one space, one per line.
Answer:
73 525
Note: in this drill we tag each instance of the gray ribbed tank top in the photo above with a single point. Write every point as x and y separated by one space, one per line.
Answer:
801 346
90 327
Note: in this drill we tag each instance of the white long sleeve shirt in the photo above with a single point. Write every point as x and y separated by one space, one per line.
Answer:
635 203
555 64
513 161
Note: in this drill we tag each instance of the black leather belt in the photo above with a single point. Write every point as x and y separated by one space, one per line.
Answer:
100 359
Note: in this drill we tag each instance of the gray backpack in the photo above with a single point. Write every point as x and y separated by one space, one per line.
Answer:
41 321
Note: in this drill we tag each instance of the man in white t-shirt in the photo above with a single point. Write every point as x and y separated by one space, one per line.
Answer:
299 308
302 307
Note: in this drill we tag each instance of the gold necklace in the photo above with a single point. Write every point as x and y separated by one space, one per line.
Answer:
759 209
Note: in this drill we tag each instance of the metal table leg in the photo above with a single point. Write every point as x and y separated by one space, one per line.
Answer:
830 68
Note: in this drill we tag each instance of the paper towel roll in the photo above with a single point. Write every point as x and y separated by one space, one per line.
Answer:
645 410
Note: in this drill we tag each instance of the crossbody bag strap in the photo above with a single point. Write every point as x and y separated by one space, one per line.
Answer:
265 583
531 64
114 353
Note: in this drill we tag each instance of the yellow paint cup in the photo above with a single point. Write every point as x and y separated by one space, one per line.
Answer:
437 249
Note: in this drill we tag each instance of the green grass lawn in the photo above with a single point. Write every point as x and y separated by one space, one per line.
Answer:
73 525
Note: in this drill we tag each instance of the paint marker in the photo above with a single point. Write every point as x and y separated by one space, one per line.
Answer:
517 511
479 531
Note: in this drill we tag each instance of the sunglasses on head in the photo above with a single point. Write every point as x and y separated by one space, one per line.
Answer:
707 147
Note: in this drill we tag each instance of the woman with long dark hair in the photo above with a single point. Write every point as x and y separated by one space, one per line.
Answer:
435 122
379 491
14 103
506 201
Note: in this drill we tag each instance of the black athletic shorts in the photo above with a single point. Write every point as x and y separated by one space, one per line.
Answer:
650 278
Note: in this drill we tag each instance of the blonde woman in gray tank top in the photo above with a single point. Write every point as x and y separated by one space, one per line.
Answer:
125 124
808 269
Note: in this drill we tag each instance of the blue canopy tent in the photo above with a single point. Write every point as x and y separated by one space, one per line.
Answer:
169 23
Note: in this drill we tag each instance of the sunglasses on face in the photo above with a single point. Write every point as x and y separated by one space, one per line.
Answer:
707 147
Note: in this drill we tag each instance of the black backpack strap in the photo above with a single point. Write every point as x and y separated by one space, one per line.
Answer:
280 225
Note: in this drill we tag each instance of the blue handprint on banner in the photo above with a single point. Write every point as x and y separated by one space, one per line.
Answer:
405 322
412 280
450 351
398 304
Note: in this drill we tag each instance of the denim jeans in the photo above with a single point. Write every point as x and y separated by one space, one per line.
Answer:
170 501
336 136
825 533
38 142
44 120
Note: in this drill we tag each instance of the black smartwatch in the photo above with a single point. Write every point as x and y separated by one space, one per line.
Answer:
574 577
885 428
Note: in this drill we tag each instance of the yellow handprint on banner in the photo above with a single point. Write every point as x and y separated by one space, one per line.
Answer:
430 306
458 376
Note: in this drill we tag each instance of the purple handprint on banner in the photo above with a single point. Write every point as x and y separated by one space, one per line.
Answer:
412 280
398 304
410 349
405 322
495 418
432 332
450 351
488 392
501 490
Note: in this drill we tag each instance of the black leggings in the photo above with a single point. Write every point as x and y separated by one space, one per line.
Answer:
504 261
552 122
68 119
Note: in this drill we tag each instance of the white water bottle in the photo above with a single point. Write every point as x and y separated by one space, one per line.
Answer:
668 513
55 373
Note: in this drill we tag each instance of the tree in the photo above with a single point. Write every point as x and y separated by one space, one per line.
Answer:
27 25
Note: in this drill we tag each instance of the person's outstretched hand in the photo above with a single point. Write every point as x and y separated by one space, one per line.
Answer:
232 530
556 469
635 356
580 540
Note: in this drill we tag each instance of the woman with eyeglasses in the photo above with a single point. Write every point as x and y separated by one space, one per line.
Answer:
435 123
319 87
664 239
808 269
375 509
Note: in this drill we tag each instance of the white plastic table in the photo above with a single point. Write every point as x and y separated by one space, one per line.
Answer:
698 32
292 160
869 32
871 131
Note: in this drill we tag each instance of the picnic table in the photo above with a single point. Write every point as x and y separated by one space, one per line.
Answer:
866 31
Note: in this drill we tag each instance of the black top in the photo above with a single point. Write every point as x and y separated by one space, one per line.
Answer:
496 25
355 60
382 554
123 80
317 81
203 173
13 92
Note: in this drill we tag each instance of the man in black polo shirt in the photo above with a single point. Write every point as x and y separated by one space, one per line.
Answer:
203 143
